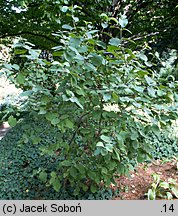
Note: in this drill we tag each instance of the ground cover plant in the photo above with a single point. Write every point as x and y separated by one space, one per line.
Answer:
22 164
70 86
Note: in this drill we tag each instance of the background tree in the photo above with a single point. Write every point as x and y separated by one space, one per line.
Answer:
153 22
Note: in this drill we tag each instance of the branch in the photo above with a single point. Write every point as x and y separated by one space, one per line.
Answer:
136 37
29 33
78 125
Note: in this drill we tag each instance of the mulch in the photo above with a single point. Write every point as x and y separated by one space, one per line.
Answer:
135 186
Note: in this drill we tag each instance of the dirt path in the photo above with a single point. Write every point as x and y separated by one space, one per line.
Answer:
3 129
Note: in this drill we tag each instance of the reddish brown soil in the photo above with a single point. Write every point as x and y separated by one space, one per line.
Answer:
137 184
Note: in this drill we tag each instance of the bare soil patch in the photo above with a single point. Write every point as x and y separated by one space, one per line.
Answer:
137 184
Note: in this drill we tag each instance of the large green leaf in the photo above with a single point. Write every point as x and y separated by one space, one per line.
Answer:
115 41
43 176
12 121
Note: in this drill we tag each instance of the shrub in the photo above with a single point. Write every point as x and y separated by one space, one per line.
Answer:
71 92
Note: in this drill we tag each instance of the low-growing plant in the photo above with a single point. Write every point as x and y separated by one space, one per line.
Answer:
163 146
162 189
23 166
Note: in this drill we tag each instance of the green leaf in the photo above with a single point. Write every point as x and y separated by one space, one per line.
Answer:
25 138
81 168
84 187
92 32
43 176
20 79
19 51
142 73
160 93
8 66
134 135
149 64
69 123
135 144
26 93
174 189
93 189
75 100
55 121
79 57
123 21
16 67
91 174
57 184
139 89
149 80
169 196
76 19
64 9
117 154
51 116
80 91
104 25
36 140
156 178
68 27
75 42
73 172
164 185
115 41
151 92
143 57
151 194
34 54
12 121
104 152
42 111
100 144
170 95
104 170
155 129
66 163
114 19
109 147
112 49
53 174
52 180
112 165
69 93
90 67
105 138
115 97
106 96
82 49
96 60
